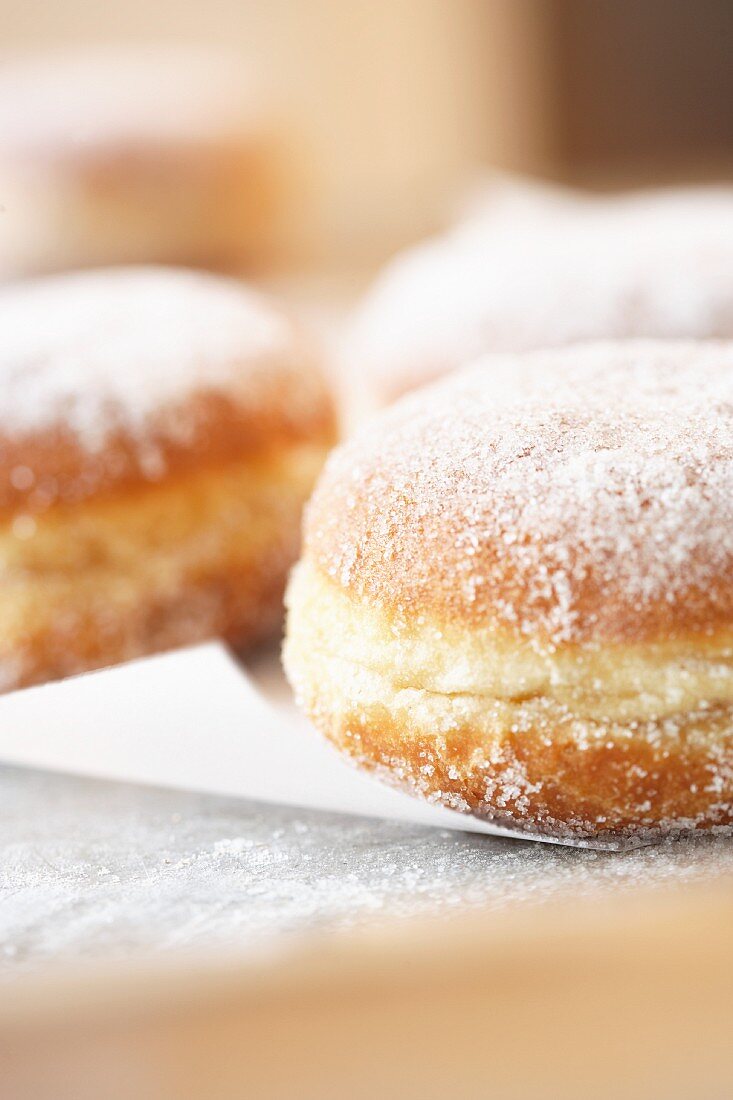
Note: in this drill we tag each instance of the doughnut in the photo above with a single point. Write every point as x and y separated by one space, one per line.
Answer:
159 432
540 273
137 155
515 597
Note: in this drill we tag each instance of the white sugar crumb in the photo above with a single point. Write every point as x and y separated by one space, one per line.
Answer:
108 351
565 494
656 265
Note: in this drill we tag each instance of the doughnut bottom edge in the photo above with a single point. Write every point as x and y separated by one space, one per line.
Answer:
527 764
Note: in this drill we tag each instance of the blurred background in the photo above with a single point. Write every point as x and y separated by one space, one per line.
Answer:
391 109
317 138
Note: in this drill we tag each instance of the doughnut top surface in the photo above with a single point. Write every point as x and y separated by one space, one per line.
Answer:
656 265
566 496
128 374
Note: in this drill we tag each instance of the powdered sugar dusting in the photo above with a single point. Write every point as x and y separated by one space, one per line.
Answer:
570 496
558 272
106 351
101 870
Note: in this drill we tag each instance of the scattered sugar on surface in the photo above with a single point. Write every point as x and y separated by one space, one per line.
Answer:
96 870
565 494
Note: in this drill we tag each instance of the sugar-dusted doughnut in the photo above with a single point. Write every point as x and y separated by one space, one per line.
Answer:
159 432
134 155
516 591
544 273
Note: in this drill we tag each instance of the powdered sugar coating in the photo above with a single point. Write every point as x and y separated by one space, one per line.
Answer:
571 496
76 347
547 274
128 373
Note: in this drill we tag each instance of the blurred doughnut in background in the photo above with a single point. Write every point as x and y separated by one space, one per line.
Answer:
528 268
160 430
115 155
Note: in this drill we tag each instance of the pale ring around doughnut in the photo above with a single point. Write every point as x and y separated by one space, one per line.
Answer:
516 592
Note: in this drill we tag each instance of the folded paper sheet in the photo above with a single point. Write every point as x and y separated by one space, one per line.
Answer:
193 719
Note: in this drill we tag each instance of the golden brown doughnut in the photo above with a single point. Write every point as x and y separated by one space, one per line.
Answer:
516 591
159 432
545 273
136 155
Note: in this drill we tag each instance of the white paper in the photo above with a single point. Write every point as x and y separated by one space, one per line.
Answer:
193 719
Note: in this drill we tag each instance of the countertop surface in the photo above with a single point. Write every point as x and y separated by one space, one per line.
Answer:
92 869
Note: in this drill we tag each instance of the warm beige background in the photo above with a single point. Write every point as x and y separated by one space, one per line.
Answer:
394 102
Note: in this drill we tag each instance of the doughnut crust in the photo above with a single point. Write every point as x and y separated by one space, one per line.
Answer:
545 273
516 592
159 433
